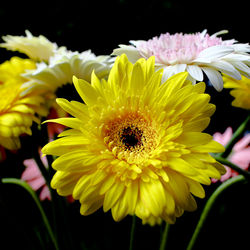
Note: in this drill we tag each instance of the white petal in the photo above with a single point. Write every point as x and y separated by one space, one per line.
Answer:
131 52
137 42
180 68
168 72
226 68
241 47
195 72
203 33
200 60
191 79
243 68
237 57
214 77
215 52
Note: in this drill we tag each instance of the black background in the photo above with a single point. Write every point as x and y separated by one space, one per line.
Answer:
101 26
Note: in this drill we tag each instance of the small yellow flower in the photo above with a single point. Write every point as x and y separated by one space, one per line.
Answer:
241 91
17 111
36 48
136 146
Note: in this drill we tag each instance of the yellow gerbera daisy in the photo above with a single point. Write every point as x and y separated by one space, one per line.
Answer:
37 48
136 145
241 91
17 111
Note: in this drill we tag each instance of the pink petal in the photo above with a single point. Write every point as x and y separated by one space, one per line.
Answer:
244 142
31 171
227 175
44 160
37 183
45 193
241 158
225 137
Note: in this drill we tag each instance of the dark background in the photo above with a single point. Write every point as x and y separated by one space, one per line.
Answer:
101 26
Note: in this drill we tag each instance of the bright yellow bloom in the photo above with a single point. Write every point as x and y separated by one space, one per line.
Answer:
37 48
17 111
136 145
241 91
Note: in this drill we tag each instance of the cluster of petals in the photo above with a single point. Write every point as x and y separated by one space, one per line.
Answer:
36 48
52 67
240 154
62 66
198 54
55 65
240 91
135 146
17 110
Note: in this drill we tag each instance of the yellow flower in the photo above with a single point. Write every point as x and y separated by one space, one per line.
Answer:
136 145
17 110
241 91
36 48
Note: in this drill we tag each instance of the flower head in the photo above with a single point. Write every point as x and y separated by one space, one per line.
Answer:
17 110
241 91
61 68
195 53
36 48
240 154
136 145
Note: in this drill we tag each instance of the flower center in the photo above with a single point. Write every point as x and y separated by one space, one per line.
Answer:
131 137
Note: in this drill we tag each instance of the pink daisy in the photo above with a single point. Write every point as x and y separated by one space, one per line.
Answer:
240 154
197 54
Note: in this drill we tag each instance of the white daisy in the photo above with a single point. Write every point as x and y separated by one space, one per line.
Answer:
195 53
36 48
62 67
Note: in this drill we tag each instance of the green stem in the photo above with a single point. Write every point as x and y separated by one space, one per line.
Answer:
34 196
164 237
132 233
46 175
236 136
209 205
42 168
233 166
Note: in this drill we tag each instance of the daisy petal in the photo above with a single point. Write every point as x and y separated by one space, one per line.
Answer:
214 77
215 52
195 72
227 68
130 51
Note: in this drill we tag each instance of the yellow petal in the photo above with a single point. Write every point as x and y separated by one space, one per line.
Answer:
86 91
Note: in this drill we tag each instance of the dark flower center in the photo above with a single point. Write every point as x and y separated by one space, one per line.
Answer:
131 137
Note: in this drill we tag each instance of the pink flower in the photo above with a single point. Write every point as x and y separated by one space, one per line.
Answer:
198 54
33 176
240 154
